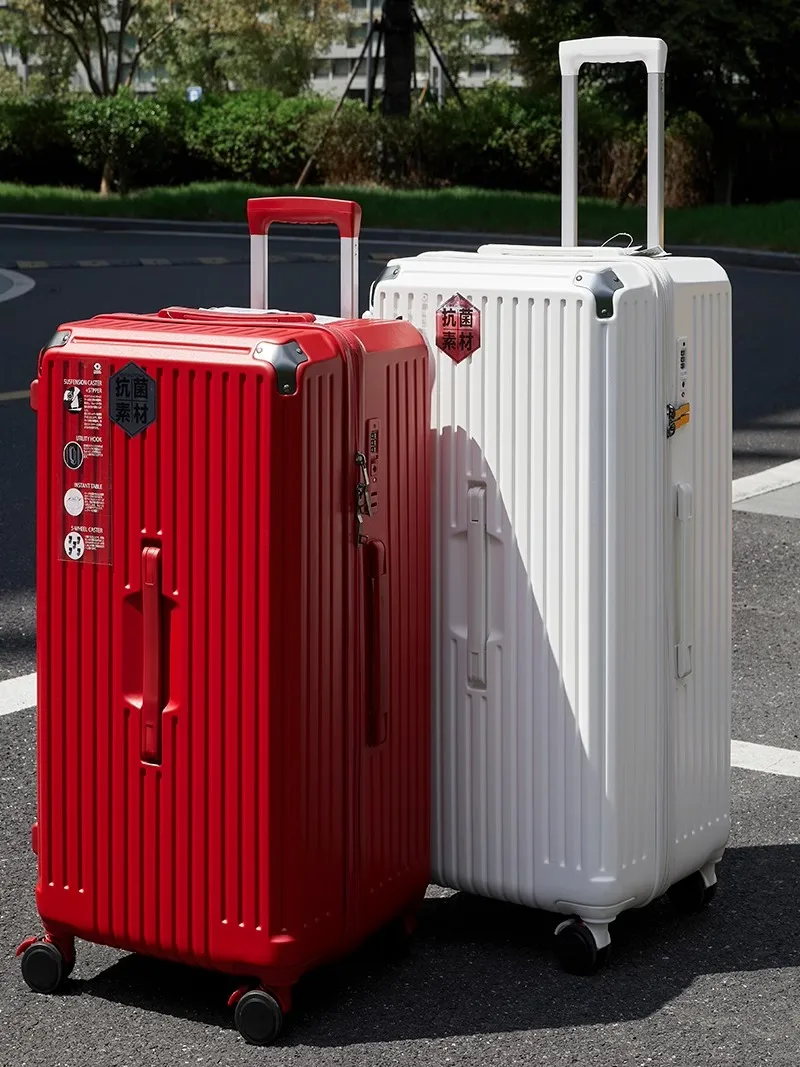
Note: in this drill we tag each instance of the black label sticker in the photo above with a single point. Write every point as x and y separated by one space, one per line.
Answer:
132 399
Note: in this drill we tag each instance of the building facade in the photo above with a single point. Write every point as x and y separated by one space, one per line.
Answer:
493 61
334 68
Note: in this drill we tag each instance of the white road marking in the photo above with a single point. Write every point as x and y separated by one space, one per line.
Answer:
751 757
20 285
19 394
767 481
780 503
17 694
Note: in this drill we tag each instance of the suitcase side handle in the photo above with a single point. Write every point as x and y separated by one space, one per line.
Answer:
152 666
263 211
377 641
685 591
477 588
651 51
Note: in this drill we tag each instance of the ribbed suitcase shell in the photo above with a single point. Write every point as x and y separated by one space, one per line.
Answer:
579 774
275 831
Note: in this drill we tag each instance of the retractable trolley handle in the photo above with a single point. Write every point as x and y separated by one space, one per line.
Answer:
651 51
262 212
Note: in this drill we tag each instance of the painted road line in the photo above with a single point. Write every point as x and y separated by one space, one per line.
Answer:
751 757
20 285
780 503
17 694
766 481
19 394
159 261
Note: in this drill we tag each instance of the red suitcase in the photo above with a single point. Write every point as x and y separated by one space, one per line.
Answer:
233 641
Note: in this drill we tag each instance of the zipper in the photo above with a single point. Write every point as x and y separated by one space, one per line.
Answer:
353 352
664 821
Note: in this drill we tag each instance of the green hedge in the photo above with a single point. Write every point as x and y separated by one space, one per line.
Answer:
503 139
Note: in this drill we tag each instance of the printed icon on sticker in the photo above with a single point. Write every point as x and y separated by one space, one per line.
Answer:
73 455
458 328
73 502
73 400
74 545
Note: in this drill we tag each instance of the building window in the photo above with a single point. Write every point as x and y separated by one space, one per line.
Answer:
356 35
341 68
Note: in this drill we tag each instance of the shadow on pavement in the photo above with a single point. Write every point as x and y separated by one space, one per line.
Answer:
479 966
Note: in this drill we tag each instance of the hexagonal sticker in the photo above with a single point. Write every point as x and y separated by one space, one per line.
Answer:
132 399
458 328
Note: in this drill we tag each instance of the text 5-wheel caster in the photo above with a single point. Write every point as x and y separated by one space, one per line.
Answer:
258 1016
580 948
692 894
44 965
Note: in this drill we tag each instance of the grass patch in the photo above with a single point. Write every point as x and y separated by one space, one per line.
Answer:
766 226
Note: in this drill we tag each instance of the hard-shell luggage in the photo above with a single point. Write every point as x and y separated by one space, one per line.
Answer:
582 558
233 639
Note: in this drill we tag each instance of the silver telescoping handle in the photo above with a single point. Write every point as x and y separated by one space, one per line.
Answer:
262 212
651 51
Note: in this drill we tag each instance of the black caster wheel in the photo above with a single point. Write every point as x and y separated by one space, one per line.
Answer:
258 1017
44 967
397 936
691 894
577 950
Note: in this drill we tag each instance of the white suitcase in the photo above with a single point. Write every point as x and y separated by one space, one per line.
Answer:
582 558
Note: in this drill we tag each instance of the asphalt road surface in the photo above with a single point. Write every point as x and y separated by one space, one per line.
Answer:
480 983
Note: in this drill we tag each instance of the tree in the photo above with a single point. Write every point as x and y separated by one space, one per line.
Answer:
245 44
47 61
108 38
457 31
398 53
728 60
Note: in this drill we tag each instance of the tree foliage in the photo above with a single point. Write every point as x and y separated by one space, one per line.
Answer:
728 61
110 132
457 31
47 61
243 44
108 38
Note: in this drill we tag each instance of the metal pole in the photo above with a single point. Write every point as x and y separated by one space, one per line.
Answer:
368 89
336 110
439 58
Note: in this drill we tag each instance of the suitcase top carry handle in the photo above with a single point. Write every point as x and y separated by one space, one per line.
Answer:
304 211
279 318
651 51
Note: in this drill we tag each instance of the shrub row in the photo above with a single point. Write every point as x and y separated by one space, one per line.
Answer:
501 139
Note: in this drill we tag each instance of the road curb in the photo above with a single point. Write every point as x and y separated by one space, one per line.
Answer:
728 257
